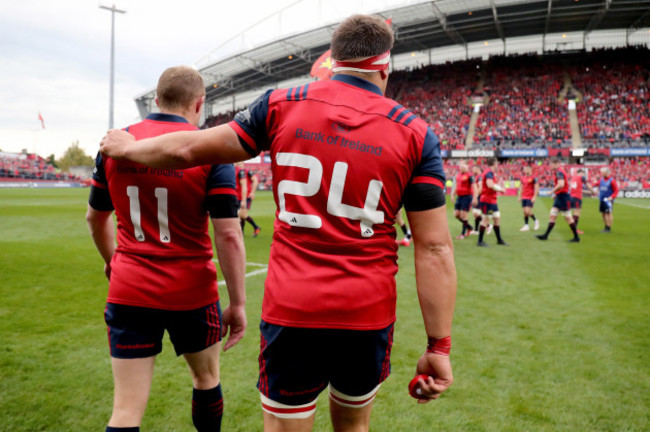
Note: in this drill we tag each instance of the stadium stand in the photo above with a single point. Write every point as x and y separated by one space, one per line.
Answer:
18 166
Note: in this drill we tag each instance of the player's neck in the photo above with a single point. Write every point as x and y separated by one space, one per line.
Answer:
374 78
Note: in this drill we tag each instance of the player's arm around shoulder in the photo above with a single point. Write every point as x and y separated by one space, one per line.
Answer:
435 275
231 253
176 150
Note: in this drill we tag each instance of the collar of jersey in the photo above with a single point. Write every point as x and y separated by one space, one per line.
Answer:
357 82
172 118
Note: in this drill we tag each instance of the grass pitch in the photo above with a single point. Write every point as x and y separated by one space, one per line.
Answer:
548 336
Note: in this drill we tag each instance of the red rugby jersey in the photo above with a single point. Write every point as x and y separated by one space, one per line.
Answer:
464 184
488 195
342 155
576 185
528 187
164 254
560 174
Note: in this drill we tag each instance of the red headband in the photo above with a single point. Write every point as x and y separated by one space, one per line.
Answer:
371 64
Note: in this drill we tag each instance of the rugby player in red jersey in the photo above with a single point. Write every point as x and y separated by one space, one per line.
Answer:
528 192
576 188
476 211
246 185
561 202
344 159
488 203
161 274
464 190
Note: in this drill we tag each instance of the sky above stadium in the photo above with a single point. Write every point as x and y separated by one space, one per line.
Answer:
55 56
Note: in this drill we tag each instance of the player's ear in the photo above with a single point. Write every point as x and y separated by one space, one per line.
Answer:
199 103
157 104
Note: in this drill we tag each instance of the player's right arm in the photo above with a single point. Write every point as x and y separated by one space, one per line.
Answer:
99 216
177 150
100 224
232 142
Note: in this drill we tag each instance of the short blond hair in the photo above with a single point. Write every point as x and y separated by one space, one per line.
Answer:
178 87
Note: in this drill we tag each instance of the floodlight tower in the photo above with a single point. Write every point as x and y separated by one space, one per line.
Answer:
113 9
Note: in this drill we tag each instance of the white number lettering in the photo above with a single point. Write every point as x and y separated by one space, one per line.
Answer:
163 219
368 215
300 189
134 207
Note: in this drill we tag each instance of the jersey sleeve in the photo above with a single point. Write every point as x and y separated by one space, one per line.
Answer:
221 201
489 175
559 175
426 190
614 189
250 125
100 197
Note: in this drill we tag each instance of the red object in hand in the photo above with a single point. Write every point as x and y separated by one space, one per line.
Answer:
414 387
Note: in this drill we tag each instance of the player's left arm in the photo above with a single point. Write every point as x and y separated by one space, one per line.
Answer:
221 203
435 269
535 192
254 183
232 261
614 190
435 276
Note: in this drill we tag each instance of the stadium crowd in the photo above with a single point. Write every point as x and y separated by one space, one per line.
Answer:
523 104
615 88
17 166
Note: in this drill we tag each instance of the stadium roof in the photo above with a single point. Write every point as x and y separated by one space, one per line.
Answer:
421 26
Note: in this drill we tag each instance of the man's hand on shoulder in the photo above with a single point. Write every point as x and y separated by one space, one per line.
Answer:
115 142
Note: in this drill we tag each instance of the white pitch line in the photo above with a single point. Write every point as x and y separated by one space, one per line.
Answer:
252 264
247 275
634 205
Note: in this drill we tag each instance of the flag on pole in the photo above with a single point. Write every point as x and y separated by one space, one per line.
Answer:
40 117
322 68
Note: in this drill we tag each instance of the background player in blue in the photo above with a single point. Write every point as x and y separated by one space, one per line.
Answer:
326 138
607 192
161 275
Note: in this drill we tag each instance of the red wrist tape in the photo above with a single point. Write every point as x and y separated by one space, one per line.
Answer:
440 346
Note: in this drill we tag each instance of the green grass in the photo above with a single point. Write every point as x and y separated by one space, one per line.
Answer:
548 336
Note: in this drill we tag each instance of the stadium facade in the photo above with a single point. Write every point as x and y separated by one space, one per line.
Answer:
427 32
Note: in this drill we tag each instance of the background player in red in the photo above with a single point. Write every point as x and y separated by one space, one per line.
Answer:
476 211
464 191
561 202
576 186
528 192
345 158
607 192
246 186
161 274
488 203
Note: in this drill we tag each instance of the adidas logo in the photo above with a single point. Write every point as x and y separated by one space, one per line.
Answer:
294 220
368 231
